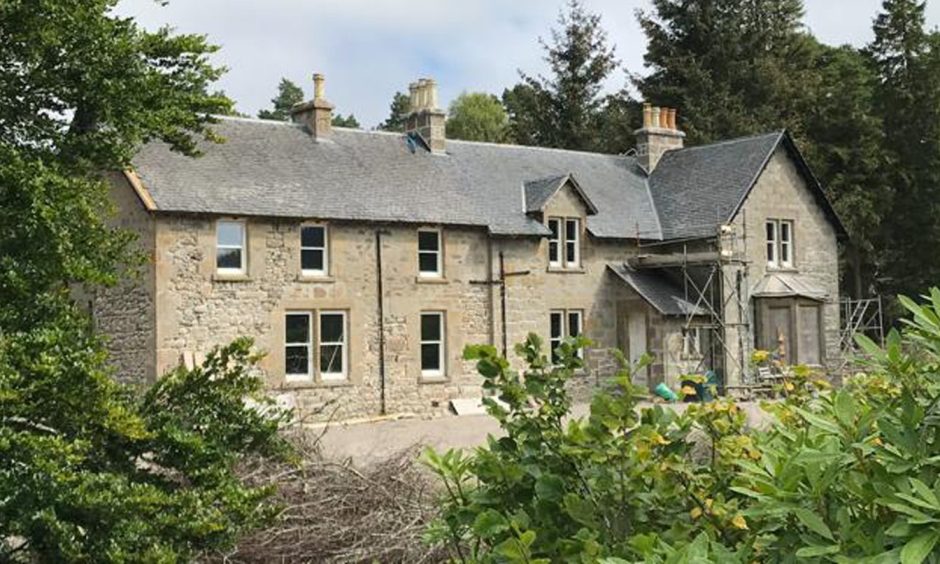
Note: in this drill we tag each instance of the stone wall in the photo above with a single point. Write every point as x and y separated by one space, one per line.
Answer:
200 310
125 314
782 193
182 308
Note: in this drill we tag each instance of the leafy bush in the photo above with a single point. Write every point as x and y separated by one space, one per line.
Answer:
91 472
849 475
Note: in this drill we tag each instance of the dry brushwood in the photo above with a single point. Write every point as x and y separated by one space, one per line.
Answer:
334 512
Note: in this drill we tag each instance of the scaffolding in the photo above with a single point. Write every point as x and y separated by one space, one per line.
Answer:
715 283
859 317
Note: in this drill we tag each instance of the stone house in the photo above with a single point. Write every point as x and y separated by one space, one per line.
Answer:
363 262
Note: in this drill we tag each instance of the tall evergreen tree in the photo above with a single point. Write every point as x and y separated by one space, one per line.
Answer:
732 67
288 94
907 59
398 113
564 109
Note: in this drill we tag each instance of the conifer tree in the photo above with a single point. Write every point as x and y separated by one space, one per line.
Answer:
288 94
563 109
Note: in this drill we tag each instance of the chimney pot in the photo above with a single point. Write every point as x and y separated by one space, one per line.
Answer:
319 87
432 94
413 93
316 114
658 135
426 119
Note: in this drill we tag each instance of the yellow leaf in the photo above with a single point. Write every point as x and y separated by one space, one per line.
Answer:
688 390
739 522
696 512
709 502
788 386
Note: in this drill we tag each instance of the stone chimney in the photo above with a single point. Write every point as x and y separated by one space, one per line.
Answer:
316 114
426 118
658 135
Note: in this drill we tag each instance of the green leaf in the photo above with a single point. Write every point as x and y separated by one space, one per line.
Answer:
813 522
919 548
814 551
550 487
489 524
924 491
818 422
844 408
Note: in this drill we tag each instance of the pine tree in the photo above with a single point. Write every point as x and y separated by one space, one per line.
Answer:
398 113
732 67
350 121
564 109
907 59
288 94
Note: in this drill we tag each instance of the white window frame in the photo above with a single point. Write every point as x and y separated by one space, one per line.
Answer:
573 262
325 248
776 246
555 341
772 236
786 258
441 345
344 345
307 376
555 239
438 254
243 247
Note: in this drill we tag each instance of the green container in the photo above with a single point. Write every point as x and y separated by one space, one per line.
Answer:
663 391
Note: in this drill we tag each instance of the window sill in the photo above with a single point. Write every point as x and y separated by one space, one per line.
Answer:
777 268
311 385
223 277
431 280
442 379
315 278
563 270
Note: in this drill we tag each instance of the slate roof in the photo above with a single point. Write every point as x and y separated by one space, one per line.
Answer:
696 189
275 169
537 193
658 290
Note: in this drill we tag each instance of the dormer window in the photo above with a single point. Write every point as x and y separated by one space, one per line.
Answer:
564 243
779 243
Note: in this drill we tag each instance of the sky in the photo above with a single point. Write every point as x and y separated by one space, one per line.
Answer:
369 49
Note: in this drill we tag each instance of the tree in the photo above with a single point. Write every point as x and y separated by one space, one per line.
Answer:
563 110
844 146
88 470
288 94
732 67
399 110
346 121
477 116
907 96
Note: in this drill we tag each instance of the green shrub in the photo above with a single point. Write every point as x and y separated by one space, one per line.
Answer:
848 475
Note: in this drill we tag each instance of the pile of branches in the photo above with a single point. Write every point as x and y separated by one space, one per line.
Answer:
335 512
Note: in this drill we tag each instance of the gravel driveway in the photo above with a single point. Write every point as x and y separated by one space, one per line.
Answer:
366 442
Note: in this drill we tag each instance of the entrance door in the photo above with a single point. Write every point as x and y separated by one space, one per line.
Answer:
777 333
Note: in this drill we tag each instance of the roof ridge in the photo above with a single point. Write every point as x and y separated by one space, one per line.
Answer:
400 133
777 133
537 148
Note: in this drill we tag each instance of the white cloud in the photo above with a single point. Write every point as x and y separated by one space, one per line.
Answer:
368 49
